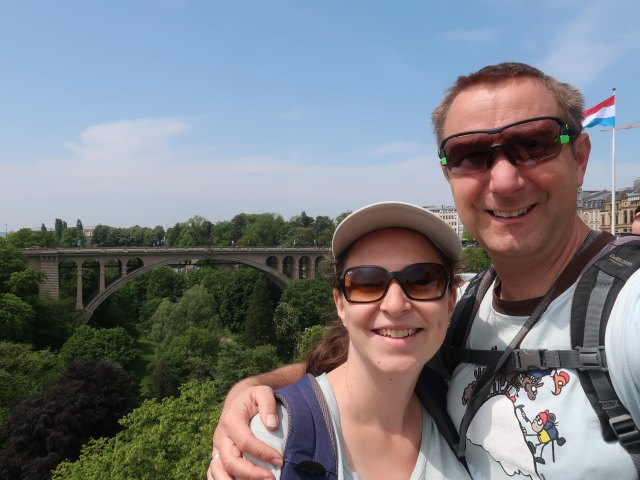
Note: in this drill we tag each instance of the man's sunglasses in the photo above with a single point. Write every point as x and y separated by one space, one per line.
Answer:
527 142
419 281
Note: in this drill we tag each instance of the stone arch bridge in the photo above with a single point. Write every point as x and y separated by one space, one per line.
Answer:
280 265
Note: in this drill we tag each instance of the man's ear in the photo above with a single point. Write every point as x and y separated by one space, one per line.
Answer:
445 172
582 149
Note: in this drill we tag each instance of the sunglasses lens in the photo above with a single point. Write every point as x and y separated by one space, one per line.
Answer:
365 284
534 142
420 281
425 281
526 143
468 153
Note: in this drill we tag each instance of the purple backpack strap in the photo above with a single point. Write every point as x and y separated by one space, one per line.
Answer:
310 452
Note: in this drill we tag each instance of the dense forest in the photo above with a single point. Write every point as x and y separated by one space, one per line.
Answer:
135 392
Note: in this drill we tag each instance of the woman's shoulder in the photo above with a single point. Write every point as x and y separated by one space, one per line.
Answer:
436 453
274 438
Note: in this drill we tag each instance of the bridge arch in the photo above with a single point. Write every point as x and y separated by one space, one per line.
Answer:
116 266
272 274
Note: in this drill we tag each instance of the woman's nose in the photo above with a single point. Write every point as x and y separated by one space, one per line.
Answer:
395 302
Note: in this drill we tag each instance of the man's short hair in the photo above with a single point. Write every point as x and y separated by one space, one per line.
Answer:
568 98
636 211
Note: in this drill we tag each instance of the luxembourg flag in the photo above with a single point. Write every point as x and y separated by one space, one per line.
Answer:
602 114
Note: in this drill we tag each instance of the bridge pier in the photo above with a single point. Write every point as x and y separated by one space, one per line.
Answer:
49 265
79 302
102 287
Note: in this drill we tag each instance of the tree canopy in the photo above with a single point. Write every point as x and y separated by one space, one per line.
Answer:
168 439
84 402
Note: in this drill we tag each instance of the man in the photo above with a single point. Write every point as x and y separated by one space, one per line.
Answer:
635 226
514 156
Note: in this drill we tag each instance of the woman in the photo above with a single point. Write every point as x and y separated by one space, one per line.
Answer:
394 296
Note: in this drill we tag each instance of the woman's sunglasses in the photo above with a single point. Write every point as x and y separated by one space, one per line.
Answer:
527 142
419 281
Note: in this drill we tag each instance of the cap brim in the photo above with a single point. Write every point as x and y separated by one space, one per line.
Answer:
399 215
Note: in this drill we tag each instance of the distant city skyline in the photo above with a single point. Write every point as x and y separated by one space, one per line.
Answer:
431 207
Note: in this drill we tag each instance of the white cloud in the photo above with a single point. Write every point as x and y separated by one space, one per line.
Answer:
292 113
397 148
127 137
127 173
590 42
479 35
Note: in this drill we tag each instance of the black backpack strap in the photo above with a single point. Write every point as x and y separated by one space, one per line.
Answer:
310 450
431 389
523 359
453 349
593 300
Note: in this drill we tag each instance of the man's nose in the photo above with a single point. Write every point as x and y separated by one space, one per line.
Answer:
505 176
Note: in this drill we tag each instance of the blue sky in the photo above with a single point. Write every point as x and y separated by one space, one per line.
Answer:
149 112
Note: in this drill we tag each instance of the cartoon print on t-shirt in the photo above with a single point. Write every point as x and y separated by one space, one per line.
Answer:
544 426
533 441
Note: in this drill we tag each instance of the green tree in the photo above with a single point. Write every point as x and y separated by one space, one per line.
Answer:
72 237
24 283
16 316
170 439
324 228
153 236
107 344
164 282
196 308
311 299
238 224
60 226
190 354
287 330
221 234
235 298
341 217
161 321
25 237
468 240
258 324
302 220
52 324
163 382
173 234
23 371
146 311
268 229
11 260
84 402
236 362
100 236
195 231
213 279
308 340
475 259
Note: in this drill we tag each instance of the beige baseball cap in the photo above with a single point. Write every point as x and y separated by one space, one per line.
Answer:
400 215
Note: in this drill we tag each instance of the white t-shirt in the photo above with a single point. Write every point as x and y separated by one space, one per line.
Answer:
539 424
435 459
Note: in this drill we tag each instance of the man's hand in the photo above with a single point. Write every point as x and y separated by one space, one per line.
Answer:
233 437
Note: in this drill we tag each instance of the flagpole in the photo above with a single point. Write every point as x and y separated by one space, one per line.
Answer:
613 175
